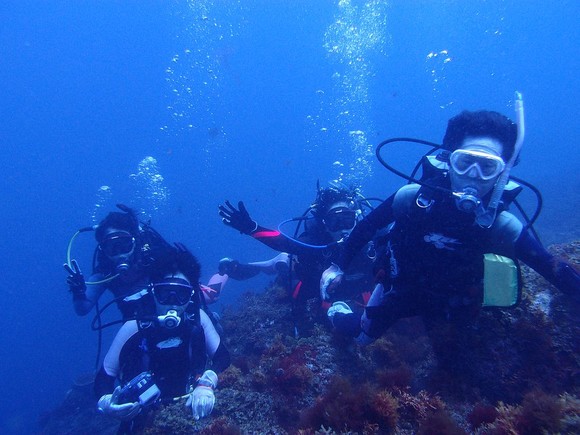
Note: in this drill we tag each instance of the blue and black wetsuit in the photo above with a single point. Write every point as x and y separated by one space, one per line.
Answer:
436 267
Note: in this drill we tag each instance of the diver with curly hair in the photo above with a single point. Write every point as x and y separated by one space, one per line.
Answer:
452 242
171 353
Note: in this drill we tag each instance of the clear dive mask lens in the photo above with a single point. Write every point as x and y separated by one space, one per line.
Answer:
486 165
172 293
340 219
117 244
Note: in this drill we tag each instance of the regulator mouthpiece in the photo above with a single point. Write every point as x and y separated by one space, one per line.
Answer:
467 201
170 320
122 267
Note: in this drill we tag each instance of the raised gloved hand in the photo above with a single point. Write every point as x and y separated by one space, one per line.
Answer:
202 398
329 280
75 280
238 219
121 411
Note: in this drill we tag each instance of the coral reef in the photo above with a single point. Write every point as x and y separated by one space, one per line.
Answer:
538 413
77 414
514 371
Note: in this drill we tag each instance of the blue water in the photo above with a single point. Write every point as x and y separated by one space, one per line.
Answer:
173 107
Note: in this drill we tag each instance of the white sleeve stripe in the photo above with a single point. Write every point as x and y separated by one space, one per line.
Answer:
111 362
212 338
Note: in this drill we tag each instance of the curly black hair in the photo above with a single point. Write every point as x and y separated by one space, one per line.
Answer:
481 123
178 259
126 220
326 197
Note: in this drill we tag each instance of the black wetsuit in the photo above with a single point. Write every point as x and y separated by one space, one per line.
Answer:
436 267
129 287
311 262
176 357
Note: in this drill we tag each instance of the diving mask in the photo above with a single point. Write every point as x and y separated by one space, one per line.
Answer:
487 166
172 293
118 244
171 298
340 219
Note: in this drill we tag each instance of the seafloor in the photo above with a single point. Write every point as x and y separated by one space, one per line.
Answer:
515 372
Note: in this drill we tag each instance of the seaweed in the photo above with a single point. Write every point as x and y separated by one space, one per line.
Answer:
513 371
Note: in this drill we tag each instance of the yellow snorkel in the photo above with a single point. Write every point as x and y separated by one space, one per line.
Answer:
69 260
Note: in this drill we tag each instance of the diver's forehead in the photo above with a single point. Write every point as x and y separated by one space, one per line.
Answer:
178 275
483 144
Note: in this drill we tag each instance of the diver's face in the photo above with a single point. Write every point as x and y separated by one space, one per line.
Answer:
481 167
173 293
117 244
340 220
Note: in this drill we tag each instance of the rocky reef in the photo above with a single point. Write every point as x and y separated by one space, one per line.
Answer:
515 371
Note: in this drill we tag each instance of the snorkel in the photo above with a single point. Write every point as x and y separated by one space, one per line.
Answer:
487 218
434 165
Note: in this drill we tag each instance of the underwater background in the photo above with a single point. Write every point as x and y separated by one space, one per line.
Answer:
174 106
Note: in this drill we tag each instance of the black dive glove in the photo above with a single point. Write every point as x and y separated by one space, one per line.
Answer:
75 280
238 219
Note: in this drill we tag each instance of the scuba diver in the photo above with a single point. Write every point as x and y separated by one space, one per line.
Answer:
326 224
126 248
172 353
453 246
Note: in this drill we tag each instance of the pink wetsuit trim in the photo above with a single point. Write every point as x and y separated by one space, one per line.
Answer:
260 234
